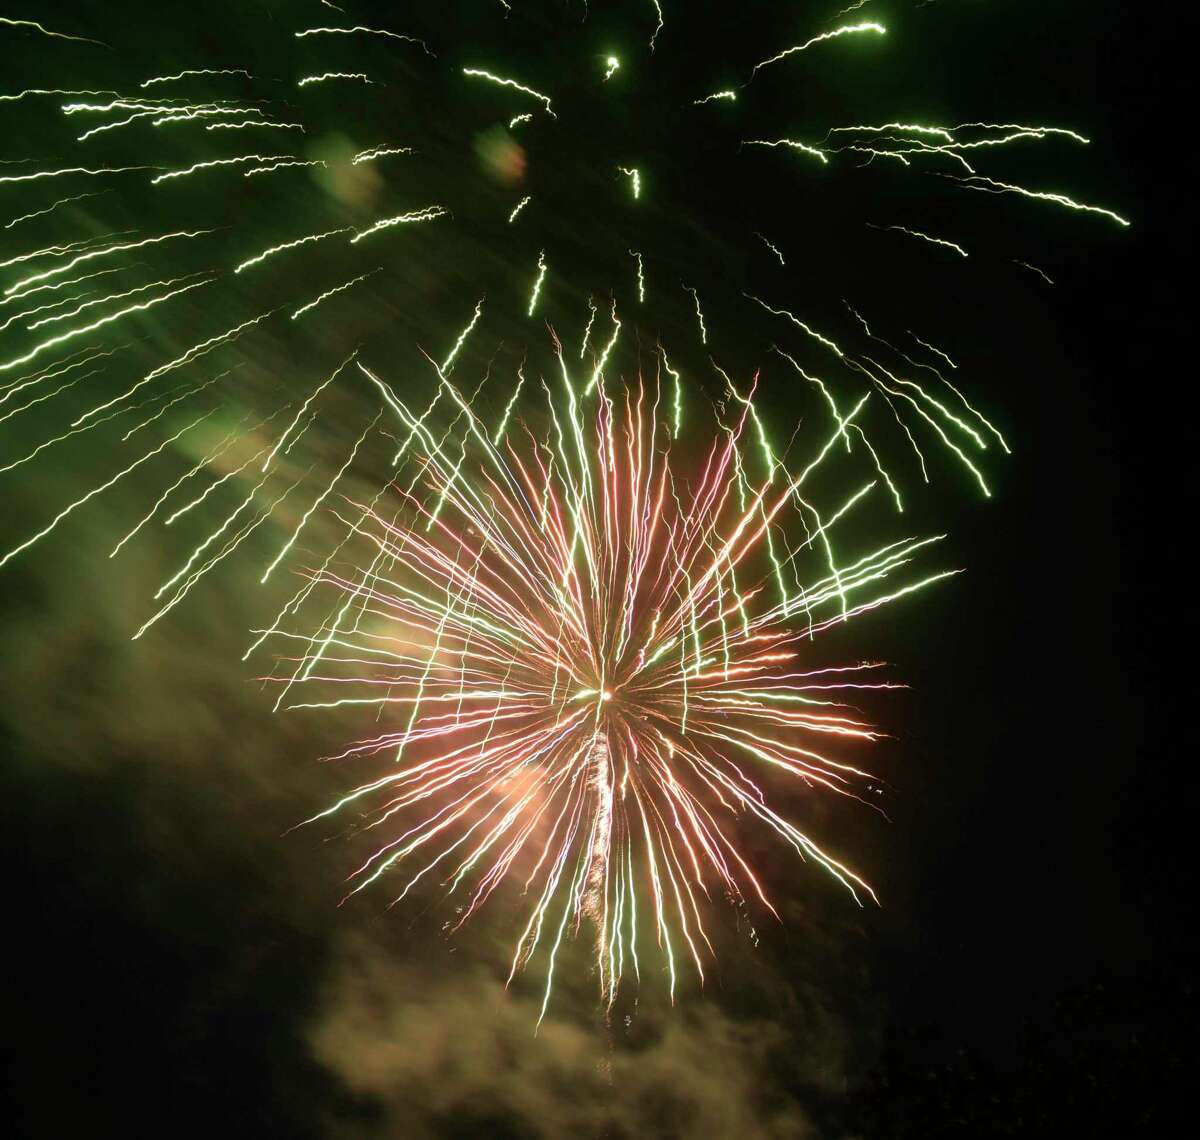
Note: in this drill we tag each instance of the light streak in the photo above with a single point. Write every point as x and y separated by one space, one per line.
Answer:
479 73
845 30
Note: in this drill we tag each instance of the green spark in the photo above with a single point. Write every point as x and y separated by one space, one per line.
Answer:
70 334
308 80
726 94
47 32
635 176
699 314
611 65
425 214
336 289
991 186
381 151
195 71
272 250
358 29
641 275
771 246
72 170
478 73
845 30
794 144
213 162
518 208
537 285
924 237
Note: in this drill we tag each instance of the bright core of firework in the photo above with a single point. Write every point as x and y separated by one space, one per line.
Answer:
594 668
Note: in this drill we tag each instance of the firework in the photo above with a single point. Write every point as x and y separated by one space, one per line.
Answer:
594 668
214 267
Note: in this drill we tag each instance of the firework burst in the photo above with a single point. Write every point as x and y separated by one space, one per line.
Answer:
594 666
588 650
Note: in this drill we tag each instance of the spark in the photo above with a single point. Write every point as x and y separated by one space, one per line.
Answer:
641 276
537 285
317 502
308 80
991 186
635 178
47 32
699 314
90 171
771 246
121 247
803 147
516 120
50 91
71 334
282 164
258 258
731 96
382 151
336 289
49 209
924 237
478 73
659 26
195 71
358 29
845 30
1033 268
71 507
611 65
211 163
425 214
246 123
518 208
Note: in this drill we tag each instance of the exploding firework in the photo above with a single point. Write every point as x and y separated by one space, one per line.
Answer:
233 272
594 668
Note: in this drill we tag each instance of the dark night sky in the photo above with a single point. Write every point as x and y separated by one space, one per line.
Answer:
177 966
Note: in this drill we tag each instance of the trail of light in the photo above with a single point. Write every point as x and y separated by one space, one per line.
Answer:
425 214
70 508
212 163
335 290
924 237
991 186
518 208
94 172
382 151
49 209
537 285
1034 269
635 178
793 144
699 314
70 334
771 246
714 97
358 29
641 276
195 71
270 251
308 80
47 32
845 30
478 73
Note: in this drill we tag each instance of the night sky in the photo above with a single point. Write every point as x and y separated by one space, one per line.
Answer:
177 958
